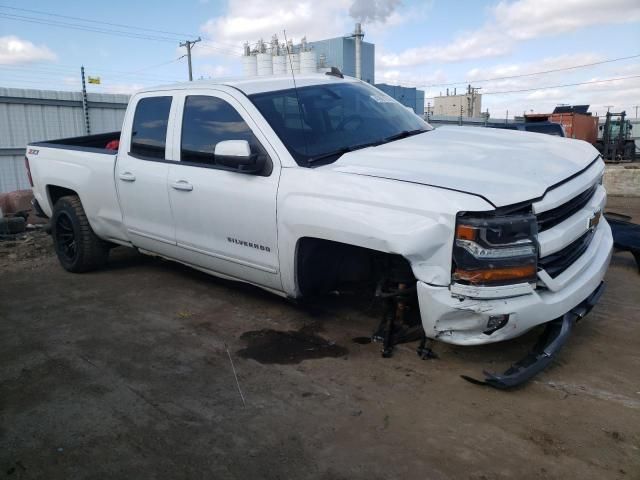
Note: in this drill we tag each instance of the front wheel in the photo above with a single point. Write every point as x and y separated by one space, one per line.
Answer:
78 248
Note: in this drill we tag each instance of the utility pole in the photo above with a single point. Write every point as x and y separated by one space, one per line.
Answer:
189 44
85 103
609 107
636 107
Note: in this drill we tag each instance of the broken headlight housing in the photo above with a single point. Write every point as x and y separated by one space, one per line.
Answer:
495 250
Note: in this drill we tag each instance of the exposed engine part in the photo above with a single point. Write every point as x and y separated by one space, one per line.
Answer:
398 292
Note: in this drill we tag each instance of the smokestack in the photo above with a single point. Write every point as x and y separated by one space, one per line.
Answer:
358 37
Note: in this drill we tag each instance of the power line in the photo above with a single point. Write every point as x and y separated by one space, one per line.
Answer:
107 31
40 12
87 28
543 72
562 86
55 70
121 25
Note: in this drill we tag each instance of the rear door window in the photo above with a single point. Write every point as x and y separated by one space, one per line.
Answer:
149 134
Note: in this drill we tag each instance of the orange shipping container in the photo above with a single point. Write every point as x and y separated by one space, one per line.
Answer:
576 125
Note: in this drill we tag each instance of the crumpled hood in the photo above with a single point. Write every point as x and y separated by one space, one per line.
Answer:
503 166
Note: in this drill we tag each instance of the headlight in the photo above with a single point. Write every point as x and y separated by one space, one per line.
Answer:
495 250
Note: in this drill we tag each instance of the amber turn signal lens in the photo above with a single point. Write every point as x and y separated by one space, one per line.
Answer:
465 232
526 272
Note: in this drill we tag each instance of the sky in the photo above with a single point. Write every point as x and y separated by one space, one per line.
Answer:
498 46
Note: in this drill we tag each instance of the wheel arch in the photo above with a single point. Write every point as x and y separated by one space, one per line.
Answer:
321 265
56 192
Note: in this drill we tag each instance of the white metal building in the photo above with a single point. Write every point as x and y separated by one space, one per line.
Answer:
28 115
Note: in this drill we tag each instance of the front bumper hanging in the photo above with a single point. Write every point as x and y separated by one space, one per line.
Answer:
549 344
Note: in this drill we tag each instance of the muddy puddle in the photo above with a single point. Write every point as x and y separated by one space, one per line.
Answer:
287 347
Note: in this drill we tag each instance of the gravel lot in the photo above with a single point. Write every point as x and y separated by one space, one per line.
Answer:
126 373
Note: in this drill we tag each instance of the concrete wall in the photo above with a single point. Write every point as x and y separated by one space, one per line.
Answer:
622 180
28 115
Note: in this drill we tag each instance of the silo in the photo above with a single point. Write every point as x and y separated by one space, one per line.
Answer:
250 65
265 64
280 65
308 63
293 61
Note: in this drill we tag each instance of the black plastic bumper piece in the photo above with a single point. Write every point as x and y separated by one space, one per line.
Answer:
548 345
626 235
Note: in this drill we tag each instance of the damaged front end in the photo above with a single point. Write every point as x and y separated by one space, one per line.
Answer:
549 344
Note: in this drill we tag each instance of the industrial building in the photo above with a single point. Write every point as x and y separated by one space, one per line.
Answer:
350 54
341 52
409 97
467 104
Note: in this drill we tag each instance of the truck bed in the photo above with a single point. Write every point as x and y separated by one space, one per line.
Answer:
84 167
86 142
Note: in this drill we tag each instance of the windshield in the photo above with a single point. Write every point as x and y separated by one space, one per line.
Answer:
332 119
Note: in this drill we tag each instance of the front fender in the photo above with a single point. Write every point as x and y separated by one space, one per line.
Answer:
415 221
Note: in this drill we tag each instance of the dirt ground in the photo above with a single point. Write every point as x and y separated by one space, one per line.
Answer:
126 373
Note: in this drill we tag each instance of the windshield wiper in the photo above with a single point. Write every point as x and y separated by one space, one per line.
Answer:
404 134
342 151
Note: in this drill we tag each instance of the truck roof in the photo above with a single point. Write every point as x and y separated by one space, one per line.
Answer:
251 85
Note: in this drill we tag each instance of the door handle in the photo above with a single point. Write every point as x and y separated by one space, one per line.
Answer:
182 185
127 177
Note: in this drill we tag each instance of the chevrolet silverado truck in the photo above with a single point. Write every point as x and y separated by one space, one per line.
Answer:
301 187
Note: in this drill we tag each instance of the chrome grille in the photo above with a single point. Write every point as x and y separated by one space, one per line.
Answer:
555 216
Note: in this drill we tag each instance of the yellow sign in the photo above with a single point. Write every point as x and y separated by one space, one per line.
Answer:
95 80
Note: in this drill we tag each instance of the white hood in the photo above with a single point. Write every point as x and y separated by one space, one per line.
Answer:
503 166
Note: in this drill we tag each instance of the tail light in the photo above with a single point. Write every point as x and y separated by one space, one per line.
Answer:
26 164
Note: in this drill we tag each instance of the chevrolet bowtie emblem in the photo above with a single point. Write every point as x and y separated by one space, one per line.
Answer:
595 219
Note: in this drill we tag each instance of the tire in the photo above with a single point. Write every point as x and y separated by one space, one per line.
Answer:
78 248
630 151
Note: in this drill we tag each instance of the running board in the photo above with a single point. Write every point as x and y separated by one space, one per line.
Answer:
547 347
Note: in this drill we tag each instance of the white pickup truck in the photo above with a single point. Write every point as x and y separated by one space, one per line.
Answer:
303 189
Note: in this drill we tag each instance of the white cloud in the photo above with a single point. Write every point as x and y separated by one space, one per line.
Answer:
511 22
465 47
619 93
14 50
214 71
527 19
250 20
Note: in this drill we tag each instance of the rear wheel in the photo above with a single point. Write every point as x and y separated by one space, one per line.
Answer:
77 246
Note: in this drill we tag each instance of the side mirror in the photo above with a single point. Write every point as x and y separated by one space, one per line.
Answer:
236 155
